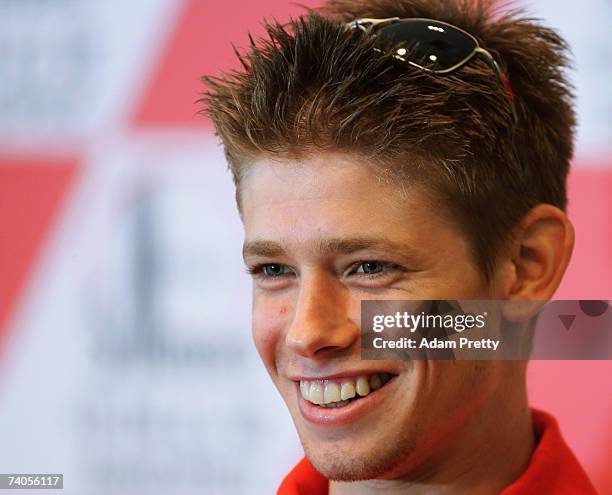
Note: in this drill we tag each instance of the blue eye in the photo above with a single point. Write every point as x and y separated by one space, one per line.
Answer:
371 267
270 270
274 270
375 269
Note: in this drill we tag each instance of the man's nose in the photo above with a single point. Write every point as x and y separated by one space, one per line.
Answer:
321 324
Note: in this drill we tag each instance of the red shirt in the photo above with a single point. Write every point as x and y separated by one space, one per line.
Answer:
553 469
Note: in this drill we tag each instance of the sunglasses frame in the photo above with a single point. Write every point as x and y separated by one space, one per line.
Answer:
369 26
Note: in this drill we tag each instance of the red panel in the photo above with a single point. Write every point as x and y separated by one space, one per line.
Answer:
31 191
589 275
201 44
578 392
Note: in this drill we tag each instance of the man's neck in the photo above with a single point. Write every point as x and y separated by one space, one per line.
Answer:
490 456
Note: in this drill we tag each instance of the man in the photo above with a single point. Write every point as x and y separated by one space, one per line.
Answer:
405 163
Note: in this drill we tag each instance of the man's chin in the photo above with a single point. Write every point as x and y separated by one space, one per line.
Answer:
353 465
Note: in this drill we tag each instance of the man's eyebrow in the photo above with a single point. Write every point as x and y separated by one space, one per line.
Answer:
272 249
265 249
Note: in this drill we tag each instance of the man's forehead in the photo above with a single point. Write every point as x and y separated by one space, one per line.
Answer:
314 177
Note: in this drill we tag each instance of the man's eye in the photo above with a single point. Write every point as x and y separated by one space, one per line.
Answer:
370 267
274 270
270 270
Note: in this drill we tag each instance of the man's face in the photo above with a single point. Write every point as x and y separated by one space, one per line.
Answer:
322 234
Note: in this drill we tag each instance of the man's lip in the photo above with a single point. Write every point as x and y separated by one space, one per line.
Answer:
343 374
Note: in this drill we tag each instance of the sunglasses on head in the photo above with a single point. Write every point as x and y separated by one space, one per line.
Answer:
430 45
436 47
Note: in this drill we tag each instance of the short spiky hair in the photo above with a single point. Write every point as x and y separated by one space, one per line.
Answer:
314 85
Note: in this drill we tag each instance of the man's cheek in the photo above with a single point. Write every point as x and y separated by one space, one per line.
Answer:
268 323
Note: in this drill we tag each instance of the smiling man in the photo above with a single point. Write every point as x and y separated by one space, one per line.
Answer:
413 149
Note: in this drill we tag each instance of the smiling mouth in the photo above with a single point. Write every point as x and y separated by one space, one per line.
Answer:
341 392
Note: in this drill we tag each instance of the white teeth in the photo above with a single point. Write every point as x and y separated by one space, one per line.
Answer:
305 389
362 387
316 393
347 391
375 381
332 392
336 393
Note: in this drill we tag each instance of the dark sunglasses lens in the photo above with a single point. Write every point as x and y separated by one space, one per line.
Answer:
430 44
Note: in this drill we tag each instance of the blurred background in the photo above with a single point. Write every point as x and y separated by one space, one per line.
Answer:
126 359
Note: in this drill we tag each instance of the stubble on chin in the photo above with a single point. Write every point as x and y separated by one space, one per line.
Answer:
358 465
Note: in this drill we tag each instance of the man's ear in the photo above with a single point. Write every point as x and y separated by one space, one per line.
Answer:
537 258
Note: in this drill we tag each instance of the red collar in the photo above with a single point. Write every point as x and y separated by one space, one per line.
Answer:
553 468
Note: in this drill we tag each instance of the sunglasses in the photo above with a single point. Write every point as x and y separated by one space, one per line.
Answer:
436 47
432 46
